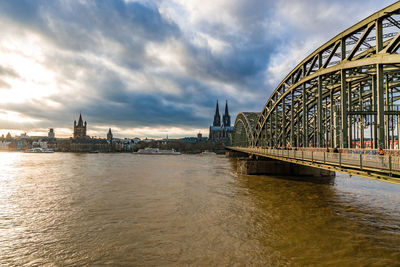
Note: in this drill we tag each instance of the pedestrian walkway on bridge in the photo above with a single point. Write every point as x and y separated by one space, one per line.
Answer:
380 167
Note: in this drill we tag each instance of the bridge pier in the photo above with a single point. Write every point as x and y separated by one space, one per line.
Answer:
235 154
277 167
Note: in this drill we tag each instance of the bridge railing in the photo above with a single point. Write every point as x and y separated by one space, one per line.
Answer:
384 163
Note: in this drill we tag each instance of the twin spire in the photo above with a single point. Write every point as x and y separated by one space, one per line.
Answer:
226 119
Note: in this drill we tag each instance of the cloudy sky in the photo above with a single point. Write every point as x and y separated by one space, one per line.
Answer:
149 68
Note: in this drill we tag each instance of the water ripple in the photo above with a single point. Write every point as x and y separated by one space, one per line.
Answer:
123 209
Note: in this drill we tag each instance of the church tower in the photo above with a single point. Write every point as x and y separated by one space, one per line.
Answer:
226 119
109 135
217 117
80 129
221 133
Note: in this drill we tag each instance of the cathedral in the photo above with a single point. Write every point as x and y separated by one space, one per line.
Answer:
221 132
80 129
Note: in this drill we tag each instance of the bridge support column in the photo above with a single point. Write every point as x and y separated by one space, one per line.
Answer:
305 116
343 108
283 123
350 124
235 154
276 167
380 106
374 133
331 125
320 134
301 170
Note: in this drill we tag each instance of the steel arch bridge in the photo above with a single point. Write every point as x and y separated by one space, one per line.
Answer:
344 94
243 130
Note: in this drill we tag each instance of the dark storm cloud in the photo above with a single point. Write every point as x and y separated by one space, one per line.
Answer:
137 109
89 25
100 54
78 27
115 102
250 46
64 21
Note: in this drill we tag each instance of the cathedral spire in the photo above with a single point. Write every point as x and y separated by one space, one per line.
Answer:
226 119
217 117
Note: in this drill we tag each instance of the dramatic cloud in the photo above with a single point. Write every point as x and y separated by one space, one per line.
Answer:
151 68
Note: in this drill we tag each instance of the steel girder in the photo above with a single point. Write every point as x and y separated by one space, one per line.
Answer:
343 93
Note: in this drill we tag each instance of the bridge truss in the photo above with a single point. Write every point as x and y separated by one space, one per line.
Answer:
345 92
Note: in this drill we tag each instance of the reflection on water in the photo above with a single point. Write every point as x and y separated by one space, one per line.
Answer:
123 209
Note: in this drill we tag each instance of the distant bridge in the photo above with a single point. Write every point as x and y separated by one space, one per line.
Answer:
344 95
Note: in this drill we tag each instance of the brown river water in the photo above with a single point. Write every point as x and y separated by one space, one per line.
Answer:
66 209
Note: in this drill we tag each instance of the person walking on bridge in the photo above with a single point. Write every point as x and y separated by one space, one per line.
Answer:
381 153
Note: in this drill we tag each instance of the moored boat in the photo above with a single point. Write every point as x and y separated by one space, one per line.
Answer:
157 151
39 150
206 152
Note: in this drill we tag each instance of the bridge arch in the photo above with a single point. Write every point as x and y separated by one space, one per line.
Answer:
243 134
346 93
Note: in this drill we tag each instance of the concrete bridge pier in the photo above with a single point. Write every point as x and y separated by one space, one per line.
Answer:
235 154
277 167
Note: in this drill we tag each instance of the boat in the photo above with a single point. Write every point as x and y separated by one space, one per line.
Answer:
39 150
157 151
206 152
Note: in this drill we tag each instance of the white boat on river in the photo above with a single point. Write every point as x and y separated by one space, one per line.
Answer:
157 151
39 150
206 152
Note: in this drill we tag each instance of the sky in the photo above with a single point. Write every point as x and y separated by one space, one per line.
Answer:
151 68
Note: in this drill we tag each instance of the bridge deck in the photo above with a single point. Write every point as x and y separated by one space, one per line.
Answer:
383 168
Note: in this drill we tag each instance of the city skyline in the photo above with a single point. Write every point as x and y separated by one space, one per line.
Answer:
104 136
152 68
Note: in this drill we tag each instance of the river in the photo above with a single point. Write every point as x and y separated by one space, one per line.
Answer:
65 209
